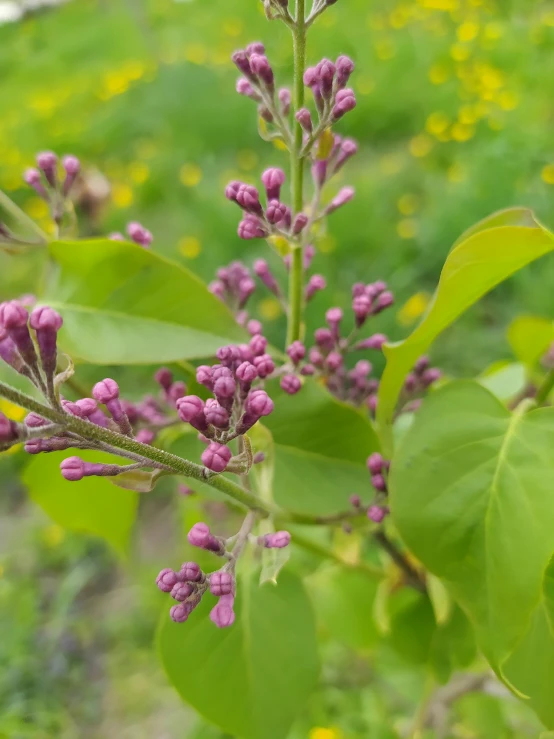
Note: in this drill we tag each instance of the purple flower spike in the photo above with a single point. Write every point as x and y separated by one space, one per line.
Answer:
273 179
296 351
278 540
304 117
33 179
47 162
222 615
315 284
345 101
259 64
215 414
181 591
216 457
221 583
179 613
251 228
72 167
345 67
343 197
166 580
139 234
73 469
376 513
259 403
264 364
290 384
190 572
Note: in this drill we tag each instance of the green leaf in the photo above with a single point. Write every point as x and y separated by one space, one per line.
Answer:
440 599
484 257
472 497
412 625
123 304
92 505
321 446
453 646
530 337
141 481
504 379
344 603
254 677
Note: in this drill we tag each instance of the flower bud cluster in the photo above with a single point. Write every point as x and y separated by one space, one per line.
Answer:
46 181
136 232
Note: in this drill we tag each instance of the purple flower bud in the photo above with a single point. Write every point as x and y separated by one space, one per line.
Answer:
326 75
222 615
221 583
344 196
304 117
246 287
232 189
278 540
333 317
345 101
225 387
273 179
246 373
166 580
248 198
373 342
290 384
316 357
315 284
259 403
179 613
72 408
375 463
215 414
259 457
33 421
8 429
199 535
256 47
47 161
32 446
379 483
265 113
361 305
145 436
276 212
33 179
219 370
116 236
240 59
348 148
164 377
430 376
264 364
139 234
254 327
334 361
243 87
319 172
105 391
376 513
204 376
355 501
345 67
190 409
311 77
181 591
307 370
251 228
13 315
262 270
296 351
300 223
285 100
73 469
46 322
385 300
190 572
324 338
258 344
421 365
216 457
259 64
72 167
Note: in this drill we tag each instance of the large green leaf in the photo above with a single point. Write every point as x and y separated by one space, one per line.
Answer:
92 505
321 446
122 304
482 258
471 494
253 678
530 337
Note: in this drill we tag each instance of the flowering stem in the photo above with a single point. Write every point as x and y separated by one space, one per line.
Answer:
296 287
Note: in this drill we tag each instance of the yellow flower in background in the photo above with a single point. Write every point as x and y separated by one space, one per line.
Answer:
459 53
190 175
437 123
438 74
444 5
196 54
547 174
247 159
327 244
413 309
390 164
385 50
508 100
190 247
467 115
407 228
232 27
462 133
122 195
456 173
270 309
467 31
318 732
139 172
408 204
493 31
36 208
420 146
365 84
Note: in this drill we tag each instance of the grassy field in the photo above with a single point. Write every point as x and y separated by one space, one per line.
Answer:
455 120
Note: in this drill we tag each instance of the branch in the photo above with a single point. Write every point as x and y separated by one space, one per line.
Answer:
413 577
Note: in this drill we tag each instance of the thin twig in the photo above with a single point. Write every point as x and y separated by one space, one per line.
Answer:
413 577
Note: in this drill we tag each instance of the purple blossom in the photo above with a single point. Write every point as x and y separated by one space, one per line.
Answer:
216 457
290 384
221 583
167 579
273 179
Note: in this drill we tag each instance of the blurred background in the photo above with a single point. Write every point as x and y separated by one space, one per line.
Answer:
454 119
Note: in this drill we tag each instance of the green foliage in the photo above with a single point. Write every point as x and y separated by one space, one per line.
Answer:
529 338
253 679
123 304
471 497
92 505
481 259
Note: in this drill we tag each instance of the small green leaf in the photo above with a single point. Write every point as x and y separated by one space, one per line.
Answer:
472 497
123 304
504 379
92 505
141 481
483 258
253 678
440 599
530 337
